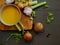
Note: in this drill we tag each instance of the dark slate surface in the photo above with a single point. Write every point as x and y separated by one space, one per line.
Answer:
41 39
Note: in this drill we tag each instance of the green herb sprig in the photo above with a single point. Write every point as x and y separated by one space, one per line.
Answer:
16 36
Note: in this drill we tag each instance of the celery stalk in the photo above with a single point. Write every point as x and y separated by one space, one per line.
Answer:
33 3
39 4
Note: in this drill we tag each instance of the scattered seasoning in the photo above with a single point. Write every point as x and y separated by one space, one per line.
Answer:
48 35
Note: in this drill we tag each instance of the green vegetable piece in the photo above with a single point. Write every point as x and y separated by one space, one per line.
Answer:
21 0
18 27
22 28
33 14
46 6
16 36
52 18
33 3
31 18
39 4
50 14
48 21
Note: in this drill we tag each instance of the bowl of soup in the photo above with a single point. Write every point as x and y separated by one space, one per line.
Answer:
10 15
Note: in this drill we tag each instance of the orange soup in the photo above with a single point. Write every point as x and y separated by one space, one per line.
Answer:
10 15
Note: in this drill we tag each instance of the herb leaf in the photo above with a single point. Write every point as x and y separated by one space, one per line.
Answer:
16 36
33 14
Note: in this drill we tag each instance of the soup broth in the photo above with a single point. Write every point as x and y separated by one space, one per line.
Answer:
10 15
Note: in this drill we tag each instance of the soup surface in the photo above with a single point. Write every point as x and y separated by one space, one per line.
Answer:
10 15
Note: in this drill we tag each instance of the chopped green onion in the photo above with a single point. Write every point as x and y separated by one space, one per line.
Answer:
33 14
39 4
48 21
33 3
52 18
21 0
50 14
46 6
